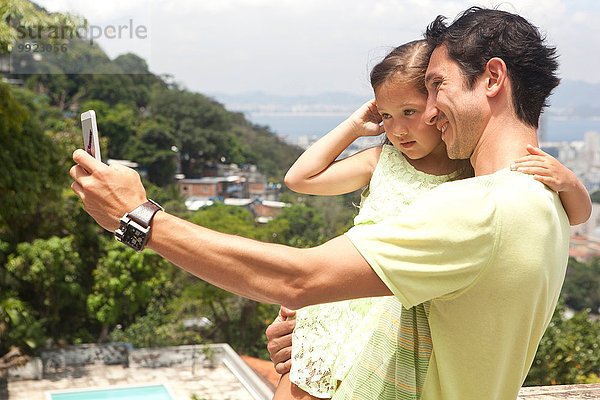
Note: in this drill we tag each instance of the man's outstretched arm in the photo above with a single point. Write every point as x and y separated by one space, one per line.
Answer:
261 271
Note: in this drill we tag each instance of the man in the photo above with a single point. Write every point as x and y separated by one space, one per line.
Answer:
488 78
487 255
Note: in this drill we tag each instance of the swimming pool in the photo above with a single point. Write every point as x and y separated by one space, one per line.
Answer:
154 392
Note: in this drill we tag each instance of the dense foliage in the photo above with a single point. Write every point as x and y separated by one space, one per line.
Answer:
569 351
63 279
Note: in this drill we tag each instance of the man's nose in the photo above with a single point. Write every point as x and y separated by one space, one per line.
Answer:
431 112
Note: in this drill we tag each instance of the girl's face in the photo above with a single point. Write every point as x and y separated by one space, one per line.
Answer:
402 108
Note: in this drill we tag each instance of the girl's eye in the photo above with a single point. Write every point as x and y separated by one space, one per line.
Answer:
385 116
408 113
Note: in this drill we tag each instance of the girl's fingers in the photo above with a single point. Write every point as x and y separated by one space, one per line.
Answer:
548 181
531 158
534 171
536 150
529 164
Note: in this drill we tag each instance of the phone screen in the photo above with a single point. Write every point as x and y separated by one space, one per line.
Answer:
90 134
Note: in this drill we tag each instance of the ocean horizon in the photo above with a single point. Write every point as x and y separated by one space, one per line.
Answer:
293 126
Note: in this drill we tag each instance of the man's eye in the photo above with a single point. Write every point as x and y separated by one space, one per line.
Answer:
436 84
408 113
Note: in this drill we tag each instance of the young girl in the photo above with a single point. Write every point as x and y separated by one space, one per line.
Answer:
328 338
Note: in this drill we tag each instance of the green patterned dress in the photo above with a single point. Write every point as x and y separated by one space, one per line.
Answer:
329 338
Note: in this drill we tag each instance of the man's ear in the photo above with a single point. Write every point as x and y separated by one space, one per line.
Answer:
496 76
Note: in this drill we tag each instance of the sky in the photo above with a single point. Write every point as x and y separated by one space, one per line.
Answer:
304 47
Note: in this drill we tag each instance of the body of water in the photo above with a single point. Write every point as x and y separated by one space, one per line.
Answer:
295 126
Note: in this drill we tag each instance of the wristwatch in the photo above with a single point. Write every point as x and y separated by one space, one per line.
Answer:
134 228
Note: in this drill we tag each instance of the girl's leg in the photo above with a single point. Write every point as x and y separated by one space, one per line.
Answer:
286 390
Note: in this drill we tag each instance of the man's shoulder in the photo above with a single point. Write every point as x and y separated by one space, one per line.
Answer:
518 191
503 183
508 192
463 192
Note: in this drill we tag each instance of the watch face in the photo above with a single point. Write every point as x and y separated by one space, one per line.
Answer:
132 234
134 237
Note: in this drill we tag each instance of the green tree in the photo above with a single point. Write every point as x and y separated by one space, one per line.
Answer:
227 219
18 325
263 148
124 284
46 273
201 127
30 170
582 285
156 327
235 320
569 352
118 125
152 147
338 212
24 13
300 225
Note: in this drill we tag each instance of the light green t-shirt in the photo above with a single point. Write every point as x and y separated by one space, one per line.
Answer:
328 337
489 255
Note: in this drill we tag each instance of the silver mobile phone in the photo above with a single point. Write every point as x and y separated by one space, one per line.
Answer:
90 134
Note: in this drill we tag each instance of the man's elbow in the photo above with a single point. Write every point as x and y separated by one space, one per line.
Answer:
297 295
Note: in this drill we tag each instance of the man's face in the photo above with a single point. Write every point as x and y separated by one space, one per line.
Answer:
459 113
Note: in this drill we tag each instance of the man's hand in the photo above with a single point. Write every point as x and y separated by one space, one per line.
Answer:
279 335
107 192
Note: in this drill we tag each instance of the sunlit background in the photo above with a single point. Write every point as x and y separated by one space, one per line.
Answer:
311 46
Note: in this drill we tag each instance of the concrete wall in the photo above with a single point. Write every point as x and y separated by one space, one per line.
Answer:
109 354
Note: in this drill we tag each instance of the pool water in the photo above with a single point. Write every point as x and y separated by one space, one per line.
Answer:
157 392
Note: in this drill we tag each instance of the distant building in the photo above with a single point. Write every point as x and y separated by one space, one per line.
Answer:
590 228
584 248
224 181
582 157
263 210
266 210
213 187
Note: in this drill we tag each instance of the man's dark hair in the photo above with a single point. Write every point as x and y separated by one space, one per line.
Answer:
478 35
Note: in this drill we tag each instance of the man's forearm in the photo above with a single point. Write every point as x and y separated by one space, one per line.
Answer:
261 271
264 272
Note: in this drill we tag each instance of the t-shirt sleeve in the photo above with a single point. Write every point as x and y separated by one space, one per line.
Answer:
435 248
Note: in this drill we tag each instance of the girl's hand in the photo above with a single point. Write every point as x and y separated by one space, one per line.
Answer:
546 169
366 121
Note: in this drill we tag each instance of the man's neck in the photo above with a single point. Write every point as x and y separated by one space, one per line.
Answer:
503 141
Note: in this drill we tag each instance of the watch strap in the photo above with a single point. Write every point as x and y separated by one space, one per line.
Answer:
144 213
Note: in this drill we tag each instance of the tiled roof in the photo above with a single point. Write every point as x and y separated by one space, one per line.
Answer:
264 369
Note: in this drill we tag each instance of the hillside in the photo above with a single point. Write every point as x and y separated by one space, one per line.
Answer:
142 116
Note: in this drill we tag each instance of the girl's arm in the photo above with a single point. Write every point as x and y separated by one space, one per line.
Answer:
317 172
548 170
